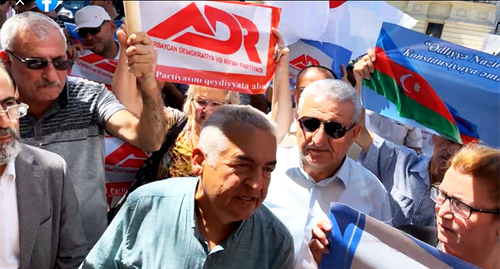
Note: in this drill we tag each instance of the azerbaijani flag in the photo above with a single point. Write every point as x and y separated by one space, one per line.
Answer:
405 86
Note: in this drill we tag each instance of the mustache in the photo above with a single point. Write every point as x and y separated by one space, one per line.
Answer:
10 131
46 83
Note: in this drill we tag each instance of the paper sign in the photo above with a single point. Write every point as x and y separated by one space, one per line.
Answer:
94 67
306 52
227 45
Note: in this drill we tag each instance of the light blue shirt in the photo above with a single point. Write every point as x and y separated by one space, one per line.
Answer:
157 228
299 201
405 175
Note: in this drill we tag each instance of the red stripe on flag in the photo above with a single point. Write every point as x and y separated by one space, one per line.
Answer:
422 92
91 58
334 4
106 66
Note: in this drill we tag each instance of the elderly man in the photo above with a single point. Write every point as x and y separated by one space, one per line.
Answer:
213 221
317 172
68 115
40 226
406 175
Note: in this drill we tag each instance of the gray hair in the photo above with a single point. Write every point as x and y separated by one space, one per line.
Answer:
32 22
213 141
232 98
335 90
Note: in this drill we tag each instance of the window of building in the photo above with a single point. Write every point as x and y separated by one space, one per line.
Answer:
434 29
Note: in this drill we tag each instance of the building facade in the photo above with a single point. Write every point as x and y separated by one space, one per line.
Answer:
464 23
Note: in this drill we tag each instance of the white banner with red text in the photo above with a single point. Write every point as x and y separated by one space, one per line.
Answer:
226 45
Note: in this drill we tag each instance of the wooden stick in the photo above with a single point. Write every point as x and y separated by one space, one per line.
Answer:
133 16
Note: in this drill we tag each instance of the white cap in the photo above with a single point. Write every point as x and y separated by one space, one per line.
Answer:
91 17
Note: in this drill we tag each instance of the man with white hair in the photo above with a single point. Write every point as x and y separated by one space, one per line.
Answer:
213 221
69 115
317 172
40 226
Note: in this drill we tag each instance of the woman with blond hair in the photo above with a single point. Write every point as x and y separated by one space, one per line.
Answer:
468 206
199 104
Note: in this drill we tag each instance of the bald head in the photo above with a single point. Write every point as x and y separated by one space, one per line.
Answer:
309 75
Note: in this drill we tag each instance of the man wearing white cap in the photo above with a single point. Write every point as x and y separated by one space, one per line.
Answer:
97 29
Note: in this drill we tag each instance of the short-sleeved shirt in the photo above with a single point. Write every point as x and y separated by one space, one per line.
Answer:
157 228
73 127
405 175
177 161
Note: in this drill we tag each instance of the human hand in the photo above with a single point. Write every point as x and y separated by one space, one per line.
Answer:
319 243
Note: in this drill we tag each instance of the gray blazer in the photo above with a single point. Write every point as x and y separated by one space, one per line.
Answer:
50 227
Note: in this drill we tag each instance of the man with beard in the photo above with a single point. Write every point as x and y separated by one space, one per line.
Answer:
406 175
39 222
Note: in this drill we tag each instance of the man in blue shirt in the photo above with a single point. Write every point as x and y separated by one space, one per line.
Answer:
214 221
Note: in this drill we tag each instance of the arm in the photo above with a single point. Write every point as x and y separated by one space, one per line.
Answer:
148 131
124 83
281 108
362 70
72 243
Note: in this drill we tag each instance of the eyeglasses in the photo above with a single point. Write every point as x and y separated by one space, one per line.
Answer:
457 207
16 111
93 31
333 129
38 63
201 103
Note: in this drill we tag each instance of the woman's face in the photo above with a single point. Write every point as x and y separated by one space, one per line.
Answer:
205 101
471 239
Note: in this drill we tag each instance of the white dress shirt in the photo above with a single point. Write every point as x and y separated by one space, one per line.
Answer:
300 202
9 219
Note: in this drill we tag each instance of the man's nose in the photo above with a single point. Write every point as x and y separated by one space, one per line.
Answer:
4 119
319 136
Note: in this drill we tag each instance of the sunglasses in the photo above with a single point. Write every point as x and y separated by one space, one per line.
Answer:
332 129
93 31
38 63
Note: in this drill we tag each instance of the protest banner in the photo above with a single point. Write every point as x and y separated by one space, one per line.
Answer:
360 241
306 52
435 85
227 45
94 67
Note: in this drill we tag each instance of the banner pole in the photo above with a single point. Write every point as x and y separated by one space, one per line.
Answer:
133 16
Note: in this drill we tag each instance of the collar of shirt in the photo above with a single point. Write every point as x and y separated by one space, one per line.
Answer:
199 235
342 173
10 169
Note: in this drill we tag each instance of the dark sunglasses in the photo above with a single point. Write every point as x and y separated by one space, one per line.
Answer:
333 129
38 63
93 31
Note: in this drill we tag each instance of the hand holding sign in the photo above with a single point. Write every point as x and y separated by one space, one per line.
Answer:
142 57
319 243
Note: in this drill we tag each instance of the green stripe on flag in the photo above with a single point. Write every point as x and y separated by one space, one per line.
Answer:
408 108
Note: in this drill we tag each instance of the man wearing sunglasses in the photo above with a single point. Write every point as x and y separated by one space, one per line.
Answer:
69 115
317 172
40 226
97 30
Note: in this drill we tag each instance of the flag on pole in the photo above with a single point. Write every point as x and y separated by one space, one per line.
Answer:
360 241
302 19
435 85
355 25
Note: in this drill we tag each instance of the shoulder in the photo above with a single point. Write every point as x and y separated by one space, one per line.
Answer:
170 187
272 225
358 172
42 157
78 83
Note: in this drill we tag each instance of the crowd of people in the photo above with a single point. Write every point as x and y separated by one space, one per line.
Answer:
220 189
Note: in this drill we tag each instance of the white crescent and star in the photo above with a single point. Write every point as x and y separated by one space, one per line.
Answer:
416 86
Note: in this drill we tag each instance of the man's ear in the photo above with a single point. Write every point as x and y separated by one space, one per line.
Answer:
113 26
197 161
355 131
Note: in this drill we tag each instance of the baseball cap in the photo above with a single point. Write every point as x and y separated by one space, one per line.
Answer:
91 17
